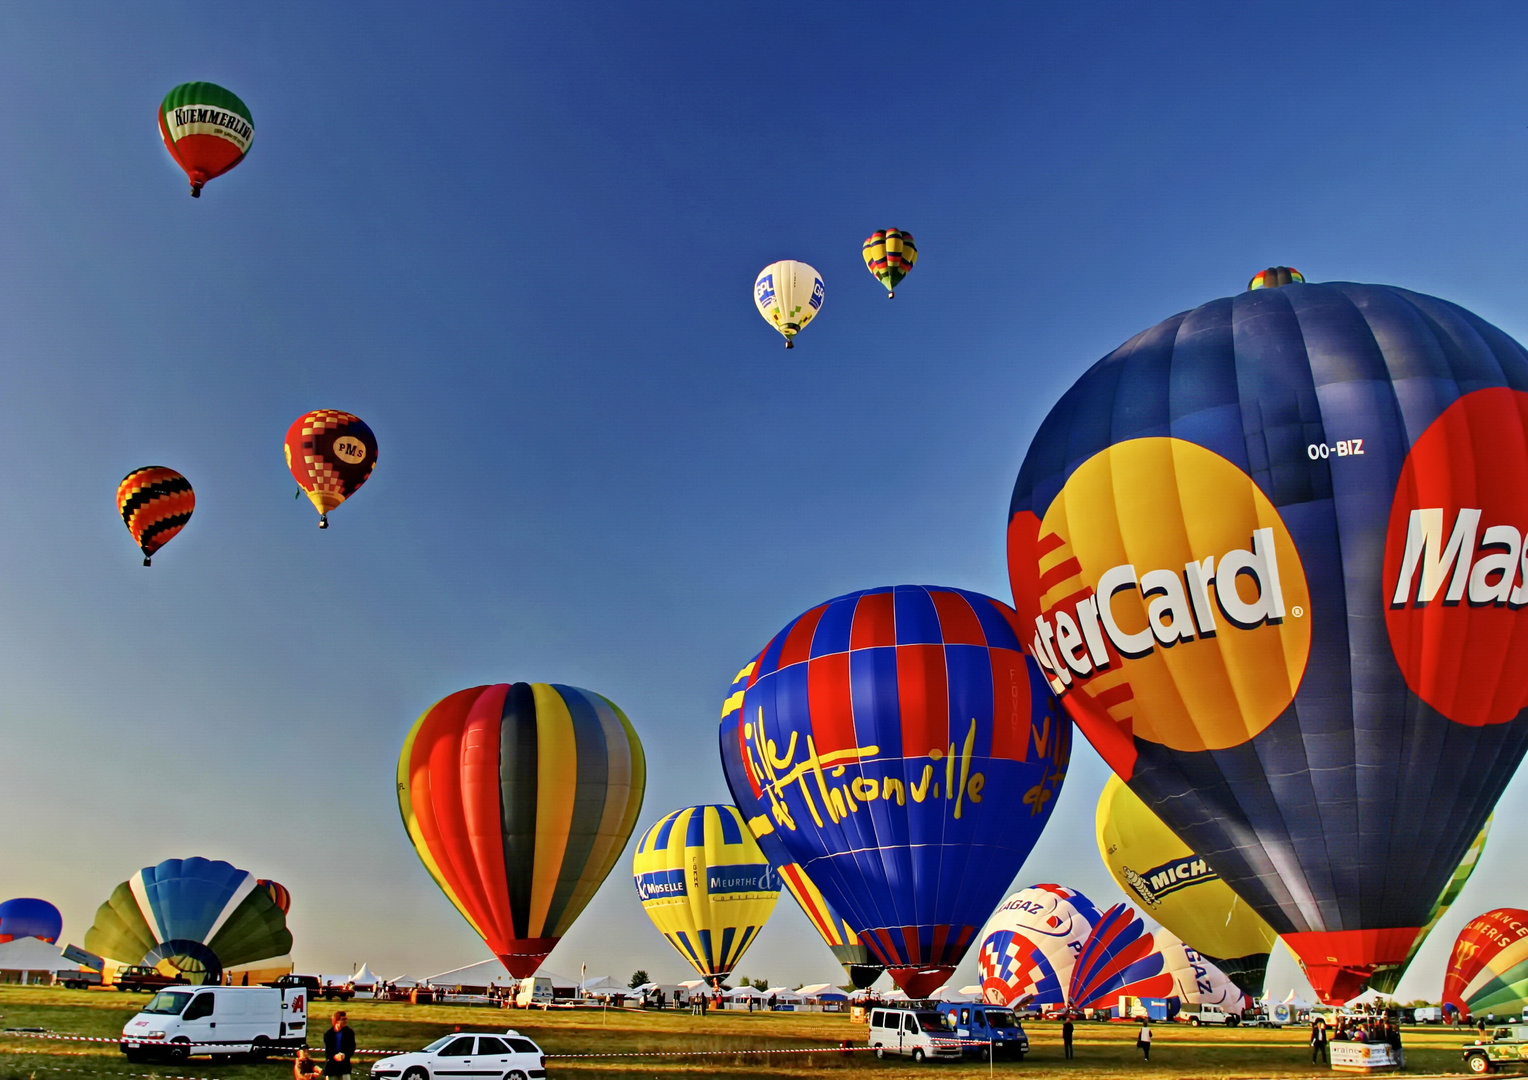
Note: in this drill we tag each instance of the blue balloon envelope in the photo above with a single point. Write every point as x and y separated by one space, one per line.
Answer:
897 744
29 917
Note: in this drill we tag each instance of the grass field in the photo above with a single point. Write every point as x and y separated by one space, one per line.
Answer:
1102 1050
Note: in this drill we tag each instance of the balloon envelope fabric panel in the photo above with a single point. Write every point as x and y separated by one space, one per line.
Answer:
196 917
155 504
908 757
27 916
206 129
1030 945
1179 889
705 884
1119 957
1488 968
1270 559
519 799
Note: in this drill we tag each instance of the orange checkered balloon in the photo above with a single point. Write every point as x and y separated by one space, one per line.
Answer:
330 453
155 503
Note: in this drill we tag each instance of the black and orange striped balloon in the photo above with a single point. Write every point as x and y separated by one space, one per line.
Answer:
155 503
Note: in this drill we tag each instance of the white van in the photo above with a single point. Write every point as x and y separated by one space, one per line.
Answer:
914 1033
219 1020
536 990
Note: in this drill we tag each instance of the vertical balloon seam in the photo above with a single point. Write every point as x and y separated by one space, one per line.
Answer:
480 787
441 814
607 833
412 825
591 763
556 779
519 779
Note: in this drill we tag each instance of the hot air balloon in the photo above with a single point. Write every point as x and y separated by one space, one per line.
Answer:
1030 945
1179 888
278 893
155 503
788 295
29 917
519 800
1242 544
1196 978
706 885
331 454
1488 969
889 256
1275 276
899 742
1119 957
197 918
206 129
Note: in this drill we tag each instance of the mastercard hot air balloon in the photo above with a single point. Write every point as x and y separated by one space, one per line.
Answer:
1031 943
331 454
788 295
889 256
896 741
1269 562
26 916
155 504
1488 969
519 799
1178 888
706 885
196 918
206 129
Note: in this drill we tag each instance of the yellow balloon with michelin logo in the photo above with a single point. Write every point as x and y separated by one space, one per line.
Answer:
1179 889
705 884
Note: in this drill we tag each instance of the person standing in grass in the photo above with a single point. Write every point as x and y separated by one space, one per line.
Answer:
1066 1035
339 1046
1318 1040
1143 1039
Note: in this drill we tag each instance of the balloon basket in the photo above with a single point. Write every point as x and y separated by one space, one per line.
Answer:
147 559
323 521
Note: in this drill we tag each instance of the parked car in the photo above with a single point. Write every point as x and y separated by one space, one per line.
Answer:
985 1025
915 1033
1504 1045
505 1054
138 977
316 989
1209 1014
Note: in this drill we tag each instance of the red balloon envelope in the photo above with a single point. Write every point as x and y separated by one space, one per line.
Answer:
1488 958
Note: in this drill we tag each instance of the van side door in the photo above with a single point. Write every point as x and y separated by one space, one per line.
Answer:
910 1032
198 1022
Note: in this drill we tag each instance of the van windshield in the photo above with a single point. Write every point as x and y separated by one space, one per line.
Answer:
1000 1018
168 1002
931 1021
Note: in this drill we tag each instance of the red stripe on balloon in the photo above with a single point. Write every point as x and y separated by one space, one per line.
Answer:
958 624
1010 705
875 622
830 703
924 699
798 642
483 814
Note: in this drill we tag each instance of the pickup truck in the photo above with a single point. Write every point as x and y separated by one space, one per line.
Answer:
1209 1014
314 988
1504 1045
139 978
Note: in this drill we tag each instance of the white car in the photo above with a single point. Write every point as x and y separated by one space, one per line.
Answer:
494 1055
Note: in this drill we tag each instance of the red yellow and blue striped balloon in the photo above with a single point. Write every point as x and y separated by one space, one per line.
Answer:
705 884
280 895
519 800
889 255
155 504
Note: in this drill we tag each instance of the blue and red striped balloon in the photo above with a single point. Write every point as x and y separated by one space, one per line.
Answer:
898 745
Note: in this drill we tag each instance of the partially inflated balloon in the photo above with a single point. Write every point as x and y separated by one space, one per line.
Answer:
26 916
1030 945
1179 888
330 453
788 295
197 918
1119 957
899 742
206 129
1196 978
278 893
889 255
1268 558
155 504
706 885
519 799
1488 969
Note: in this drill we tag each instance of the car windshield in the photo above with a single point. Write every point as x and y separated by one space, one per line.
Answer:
931 1021
1000 1018
437 1044
167 1003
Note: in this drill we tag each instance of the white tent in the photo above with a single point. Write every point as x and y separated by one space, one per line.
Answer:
405 982
668 989
32 960
949 993
486 973
895 995
604 985
364 977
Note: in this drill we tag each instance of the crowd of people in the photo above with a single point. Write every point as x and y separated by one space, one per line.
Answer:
1374 1028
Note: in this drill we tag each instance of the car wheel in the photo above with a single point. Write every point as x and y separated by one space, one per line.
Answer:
135 1056
515 1074
178 1050
416 1073
1193 1021
1477 1063
259 1048
918 1055
1231 1021
880 1053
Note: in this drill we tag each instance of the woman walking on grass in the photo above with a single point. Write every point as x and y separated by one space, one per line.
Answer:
1143 1040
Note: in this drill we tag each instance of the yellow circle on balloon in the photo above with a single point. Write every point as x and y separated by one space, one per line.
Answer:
1207 623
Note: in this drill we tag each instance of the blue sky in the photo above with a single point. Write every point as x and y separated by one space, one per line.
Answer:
518 240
